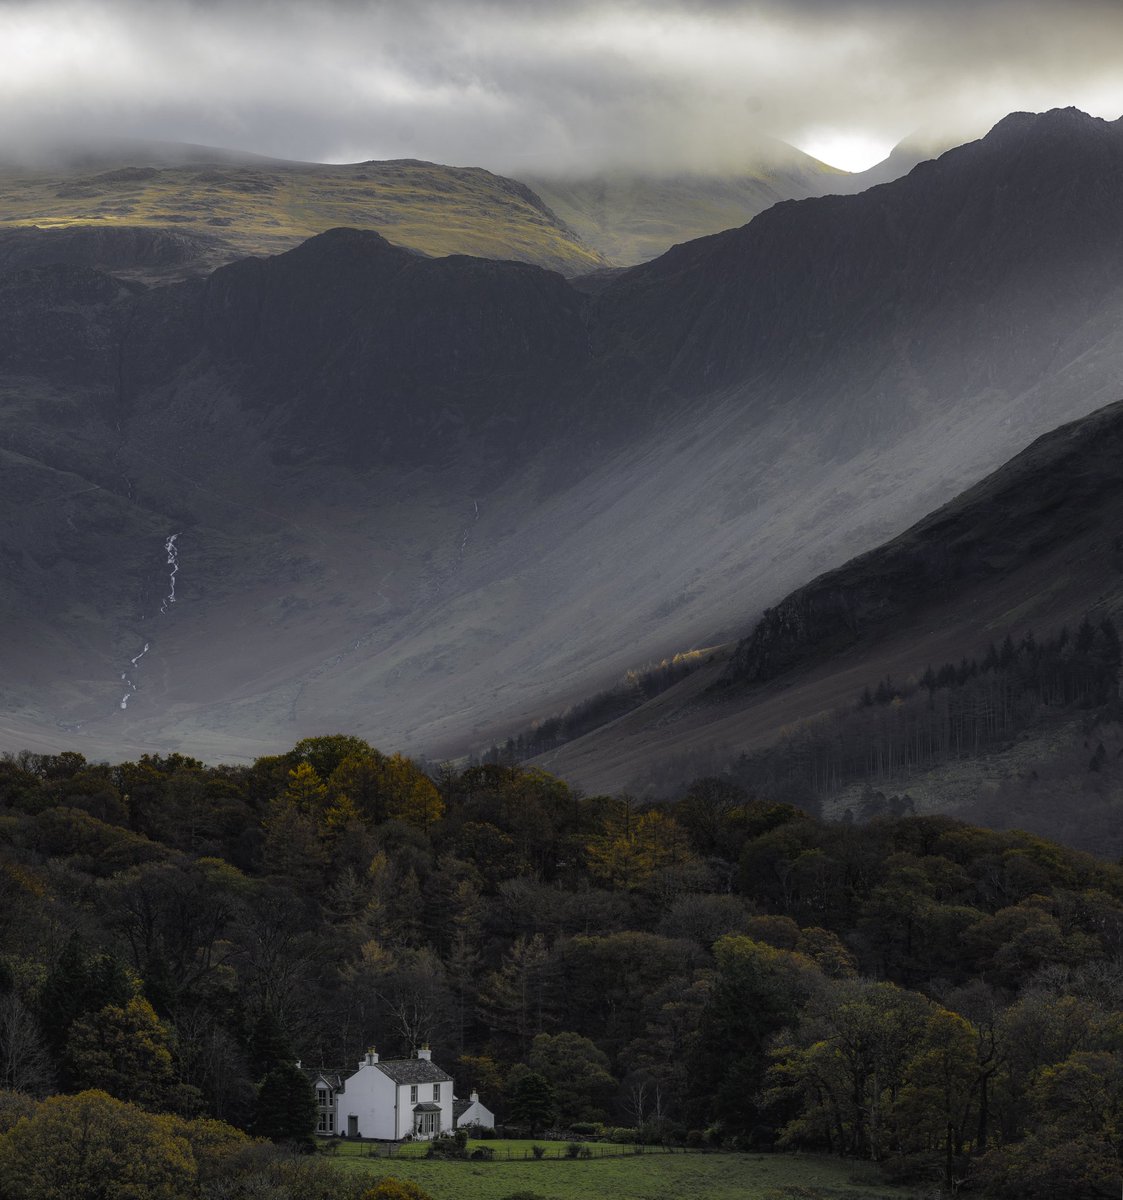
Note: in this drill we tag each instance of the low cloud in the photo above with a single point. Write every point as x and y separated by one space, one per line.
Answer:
526 87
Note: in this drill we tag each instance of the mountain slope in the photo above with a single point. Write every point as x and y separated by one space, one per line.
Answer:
1059 501
1034 546
1019 229
228 206
430 500
631 216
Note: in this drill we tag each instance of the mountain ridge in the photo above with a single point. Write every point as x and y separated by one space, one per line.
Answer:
439 497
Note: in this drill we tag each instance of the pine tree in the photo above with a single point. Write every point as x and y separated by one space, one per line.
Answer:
531 1102
286 1106
269 1048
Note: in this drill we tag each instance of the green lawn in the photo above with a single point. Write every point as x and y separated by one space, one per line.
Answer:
651 1176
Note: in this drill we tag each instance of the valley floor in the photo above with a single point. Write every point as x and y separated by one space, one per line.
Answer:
688 1176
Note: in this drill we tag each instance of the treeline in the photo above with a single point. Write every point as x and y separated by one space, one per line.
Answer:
952 712
723 968
636 688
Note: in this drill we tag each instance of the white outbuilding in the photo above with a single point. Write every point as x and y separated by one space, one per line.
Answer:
471 1114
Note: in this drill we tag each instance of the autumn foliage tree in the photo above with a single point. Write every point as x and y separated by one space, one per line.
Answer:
93 1147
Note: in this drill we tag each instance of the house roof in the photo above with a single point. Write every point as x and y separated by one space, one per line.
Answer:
330 1075
412 1070
427 1106
460 1107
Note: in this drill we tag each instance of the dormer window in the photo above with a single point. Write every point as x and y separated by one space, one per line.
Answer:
323 1097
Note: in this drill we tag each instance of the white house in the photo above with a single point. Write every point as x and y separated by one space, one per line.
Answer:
471 1113
388 1099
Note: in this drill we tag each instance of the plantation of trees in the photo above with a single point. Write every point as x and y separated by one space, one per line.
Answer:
956 711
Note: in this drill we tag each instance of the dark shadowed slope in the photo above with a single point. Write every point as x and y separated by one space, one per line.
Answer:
1019 230
430 500
1035 545
1059 500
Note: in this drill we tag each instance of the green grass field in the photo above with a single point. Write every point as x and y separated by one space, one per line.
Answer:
649 1176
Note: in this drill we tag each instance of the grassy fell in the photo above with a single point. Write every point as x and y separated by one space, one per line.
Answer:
259 209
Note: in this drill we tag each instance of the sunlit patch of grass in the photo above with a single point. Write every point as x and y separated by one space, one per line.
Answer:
262 210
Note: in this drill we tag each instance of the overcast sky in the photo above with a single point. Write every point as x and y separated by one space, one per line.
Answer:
549 85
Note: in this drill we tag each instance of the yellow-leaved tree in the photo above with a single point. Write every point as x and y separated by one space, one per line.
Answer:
93 1147
633 845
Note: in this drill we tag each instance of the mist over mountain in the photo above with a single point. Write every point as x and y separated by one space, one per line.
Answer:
426 499
633 216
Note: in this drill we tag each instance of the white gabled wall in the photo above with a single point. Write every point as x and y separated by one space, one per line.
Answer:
369 1096
477 1114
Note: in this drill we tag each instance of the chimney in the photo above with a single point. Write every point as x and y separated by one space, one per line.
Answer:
474 1097
425 1053
370 1060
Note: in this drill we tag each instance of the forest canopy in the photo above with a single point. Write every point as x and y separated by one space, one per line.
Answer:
721 968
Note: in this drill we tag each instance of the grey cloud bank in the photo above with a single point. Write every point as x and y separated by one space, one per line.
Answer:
548 87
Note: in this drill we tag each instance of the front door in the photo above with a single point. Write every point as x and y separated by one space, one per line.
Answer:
352 1126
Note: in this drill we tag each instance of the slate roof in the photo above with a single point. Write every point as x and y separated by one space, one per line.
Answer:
413 1070
332 1076
460 1107
427 1106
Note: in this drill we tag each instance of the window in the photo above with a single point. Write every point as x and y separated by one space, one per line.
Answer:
323 1097
413 1094
322 1123
437 1092
331 1122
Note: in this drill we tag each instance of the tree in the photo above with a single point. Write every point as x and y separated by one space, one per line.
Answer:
126 1051
269 1047
77 985
634 846
94 1147
578 1073
756 990
286 1106
1045 1166
324 754
14 1106
25 1065
512 999
414 992
411 795
174 918
530 1101
306 790
935 1110
845 1065
293 851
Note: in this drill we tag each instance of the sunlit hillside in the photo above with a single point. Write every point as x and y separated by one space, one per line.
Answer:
259 206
